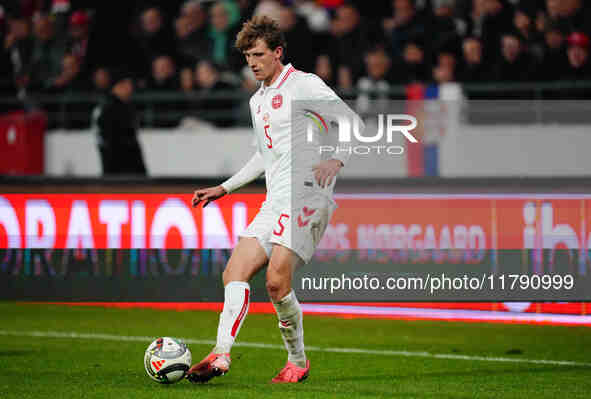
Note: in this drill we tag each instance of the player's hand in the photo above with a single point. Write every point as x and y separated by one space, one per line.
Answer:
326 171
207 195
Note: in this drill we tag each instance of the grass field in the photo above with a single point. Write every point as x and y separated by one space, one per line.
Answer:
414 359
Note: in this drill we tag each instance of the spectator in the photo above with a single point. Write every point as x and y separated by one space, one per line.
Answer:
220 111
574 12
487 20
188 93
193 43
524 23
78 40
403 25
101 79
443 8
345 78
505 39
324 69
207 76
163 76
222 35
515 65
7 81
445 26
163 79
73 114
317 16
554 61
154 38
349 37
497 20
473 13
445 69
70 77
19 46
48 53
119 148
187 80
7 76
376 84
378 66
270 8
413 67
535 10
541 21
579 67
301 52
554 9
474 68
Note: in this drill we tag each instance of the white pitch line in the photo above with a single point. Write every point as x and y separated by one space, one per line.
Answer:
146 339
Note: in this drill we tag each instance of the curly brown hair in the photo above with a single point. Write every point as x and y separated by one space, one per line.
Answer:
260 27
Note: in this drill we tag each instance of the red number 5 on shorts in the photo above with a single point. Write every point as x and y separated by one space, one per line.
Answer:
281 226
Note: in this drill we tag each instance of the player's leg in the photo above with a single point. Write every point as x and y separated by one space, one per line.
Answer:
282 265
304 235
247 258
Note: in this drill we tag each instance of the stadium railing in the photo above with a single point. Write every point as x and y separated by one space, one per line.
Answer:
77 110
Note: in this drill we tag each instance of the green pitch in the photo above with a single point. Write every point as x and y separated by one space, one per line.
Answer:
411 359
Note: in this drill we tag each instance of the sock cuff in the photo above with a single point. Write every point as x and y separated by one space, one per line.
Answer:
237 284
286 299
288 306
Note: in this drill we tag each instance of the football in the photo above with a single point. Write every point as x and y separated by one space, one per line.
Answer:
167 360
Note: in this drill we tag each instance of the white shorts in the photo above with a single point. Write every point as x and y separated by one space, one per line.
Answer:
299 229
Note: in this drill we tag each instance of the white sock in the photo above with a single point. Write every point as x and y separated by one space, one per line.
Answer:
236 303
291 325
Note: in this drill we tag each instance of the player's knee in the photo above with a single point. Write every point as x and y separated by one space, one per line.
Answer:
273 286
277 287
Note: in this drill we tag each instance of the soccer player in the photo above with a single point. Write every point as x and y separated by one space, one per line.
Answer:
298 205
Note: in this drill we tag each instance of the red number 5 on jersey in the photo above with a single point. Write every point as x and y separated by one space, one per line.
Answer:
270 142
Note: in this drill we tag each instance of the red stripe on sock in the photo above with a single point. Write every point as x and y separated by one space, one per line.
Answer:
241 314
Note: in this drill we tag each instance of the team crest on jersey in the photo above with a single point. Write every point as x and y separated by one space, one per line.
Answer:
277 101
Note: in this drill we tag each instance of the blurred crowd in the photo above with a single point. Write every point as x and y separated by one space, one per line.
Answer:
57 46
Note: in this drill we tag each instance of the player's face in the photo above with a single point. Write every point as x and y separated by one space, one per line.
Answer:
263 61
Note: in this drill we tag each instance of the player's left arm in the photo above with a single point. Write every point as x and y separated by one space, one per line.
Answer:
314 88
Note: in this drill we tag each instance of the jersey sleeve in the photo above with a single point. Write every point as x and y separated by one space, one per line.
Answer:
312 88
253 169
253 141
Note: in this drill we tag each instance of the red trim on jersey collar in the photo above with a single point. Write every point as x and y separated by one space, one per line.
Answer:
285 72
289 71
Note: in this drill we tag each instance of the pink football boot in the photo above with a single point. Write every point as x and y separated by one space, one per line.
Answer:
292 373
214 365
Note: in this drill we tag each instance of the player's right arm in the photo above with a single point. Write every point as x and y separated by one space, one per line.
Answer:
253 169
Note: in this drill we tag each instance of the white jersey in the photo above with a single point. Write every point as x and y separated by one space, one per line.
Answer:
281 137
